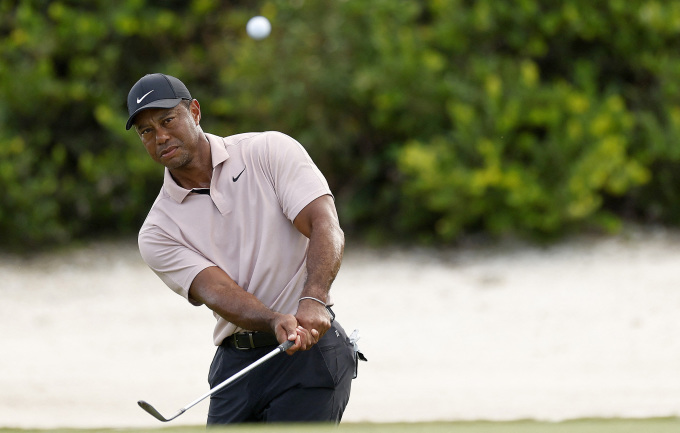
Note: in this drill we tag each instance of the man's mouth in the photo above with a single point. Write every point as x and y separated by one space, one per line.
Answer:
169 152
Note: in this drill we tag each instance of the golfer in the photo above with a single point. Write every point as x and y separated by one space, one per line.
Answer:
247 225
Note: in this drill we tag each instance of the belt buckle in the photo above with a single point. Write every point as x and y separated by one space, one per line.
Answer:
250 340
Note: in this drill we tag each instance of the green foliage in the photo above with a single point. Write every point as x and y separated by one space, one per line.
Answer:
67 168
431 119
544 131
523 157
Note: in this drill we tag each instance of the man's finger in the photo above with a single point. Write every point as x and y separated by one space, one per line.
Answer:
296 345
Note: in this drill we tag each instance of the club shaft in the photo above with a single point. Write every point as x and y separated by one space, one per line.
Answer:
151 410
267 357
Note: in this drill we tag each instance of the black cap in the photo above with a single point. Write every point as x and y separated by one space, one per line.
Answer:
155 91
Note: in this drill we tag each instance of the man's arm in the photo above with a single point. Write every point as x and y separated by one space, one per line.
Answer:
319 222
214 288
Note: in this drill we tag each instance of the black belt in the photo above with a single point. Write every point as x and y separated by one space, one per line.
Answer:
250 340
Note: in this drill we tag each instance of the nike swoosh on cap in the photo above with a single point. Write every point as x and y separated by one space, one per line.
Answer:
142 98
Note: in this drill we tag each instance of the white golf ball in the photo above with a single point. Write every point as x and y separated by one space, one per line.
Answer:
258 27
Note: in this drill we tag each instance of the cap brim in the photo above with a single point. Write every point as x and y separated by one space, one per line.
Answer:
161 103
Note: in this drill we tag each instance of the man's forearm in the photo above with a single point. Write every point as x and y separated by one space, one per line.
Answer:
213 287
324 257
318 221
221 294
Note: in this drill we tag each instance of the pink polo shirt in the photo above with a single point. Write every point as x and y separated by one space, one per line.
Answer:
260 182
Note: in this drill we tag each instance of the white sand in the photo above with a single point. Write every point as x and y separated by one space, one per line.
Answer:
587 328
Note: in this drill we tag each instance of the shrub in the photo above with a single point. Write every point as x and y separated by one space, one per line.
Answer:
430 119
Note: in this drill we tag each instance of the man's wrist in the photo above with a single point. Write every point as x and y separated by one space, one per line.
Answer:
312 298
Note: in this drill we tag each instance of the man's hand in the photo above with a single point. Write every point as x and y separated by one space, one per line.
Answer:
313 316
286 327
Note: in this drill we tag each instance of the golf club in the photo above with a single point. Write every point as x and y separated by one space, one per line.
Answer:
147 407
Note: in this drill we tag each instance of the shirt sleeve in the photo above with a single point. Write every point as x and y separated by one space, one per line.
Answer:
175 264
297 181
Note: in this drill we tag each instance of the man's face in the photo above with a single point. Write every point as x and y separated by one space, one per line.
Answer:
170 135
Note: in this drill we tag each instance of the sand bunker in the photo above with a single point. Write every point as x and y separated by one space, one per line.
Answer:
586 328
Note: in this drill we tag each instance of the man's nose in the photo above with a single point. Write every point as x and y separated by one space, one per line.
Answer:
162 135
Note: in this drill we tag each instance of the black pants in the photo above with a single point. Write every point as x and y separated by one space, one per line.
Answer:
313 385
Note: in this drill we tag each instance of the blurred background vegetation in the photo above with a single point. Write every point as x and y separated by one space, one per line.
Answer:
431 119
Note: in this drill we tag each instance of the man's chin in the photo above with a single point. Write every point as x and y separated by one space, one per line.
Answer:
175 161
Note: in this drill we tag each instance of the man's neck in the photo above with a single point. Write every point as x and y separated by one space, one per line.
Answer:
198 173
190 180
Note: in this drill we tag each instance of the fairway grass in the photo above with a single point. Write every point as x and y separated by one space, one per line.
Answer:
649 425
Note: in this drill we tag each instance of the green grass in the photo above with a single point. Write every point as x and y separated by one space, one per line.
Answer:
649 425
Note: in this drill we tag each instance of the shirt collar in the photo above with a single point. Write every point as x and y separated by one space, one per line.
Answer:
218 154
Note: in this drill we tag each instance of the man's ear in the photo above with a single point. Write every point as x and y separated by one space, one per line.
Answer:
195 109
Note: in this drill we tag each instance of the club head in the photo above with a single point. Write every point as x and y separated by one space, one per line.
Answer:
151 410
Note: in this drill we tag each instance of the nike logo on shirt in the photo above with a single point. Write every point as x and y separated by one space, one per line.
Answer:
239 175
142 98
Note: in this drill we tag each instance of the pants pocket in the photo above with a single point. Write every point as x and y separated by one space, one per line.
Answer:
337 354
